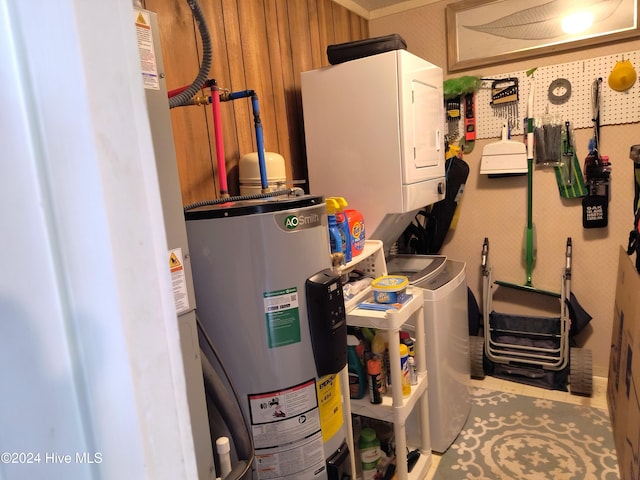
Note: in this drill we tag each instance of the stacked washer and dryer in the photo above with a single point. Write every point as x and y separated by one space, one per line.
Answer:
374 130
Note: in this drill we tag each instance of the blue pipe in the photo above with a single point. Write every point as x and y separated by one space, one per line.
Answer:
259 142
258 125
236 95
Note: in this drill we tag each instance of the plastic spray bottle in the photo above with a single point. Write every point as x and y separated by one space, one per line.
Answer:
343 226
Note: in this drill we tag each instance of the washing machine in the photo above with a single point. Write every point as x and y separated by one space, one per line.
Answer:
447 342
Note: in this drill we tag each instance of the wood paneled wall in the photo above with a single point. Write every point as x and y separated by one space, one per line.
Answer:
260 45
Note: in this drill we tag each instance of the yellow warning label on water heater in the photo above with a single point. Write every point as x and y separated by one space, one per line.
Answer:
330 404
174 262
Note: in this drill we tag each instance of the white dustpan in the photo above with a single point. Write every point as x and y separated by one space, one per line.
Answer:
504 157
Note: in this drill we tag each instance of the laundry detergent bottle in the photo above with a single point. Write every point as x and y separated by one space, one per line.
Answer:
356 230
343 226
335 239
357 376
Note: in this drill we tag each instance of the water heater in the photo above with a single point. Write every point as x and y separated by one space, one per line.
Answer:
274 309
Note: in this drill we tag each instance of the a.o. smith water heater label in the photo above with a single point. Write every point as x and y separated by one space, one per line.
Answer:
282 316
285 425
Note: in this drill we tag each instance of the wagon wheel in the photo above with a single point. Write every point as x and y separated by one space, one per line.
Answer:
580 372
476 354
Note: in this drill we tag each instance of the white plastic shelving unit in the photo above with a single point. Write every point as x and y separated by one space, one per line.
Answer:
370 262
394 408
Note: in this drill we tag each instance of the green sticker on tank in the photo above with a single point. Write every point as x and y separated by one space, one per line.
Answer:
283 317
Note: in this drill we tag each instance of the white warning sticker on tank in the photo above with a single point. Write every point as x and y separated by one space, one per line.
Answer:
178 280
148 61
302 460
285 425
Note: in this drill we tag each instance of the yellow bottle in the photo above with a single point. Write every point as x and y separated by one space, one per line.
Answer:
404 370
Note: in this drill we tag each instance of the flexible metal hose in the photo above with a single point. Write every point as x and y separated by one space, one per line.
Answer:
184 98
296 191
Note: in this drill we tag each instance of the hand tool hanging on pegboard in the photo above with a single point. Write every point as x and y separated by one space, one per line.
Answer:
504 100
470 117
452 107
569 173
597 171
456 94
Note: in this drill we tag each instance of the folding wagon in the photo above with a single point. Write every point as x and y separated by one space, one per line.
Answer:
530 349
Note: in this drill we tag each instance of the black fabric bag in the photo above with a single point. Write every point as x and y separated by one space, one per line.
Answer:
473 312
525 331
595 211
634 240
634 234
426 234
578 315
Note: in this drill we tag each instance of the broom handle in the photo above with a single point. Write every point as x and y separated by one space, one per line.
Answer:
530 157
529 234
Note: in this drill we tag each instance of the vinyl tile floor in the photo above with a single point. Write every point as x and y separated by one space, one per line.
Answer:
598 399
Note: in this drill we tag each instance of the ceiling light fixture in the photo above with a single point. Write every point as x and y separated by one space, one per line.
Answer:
577 22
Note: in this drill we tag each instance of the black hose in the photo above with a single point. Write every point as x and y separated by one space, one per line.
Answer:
256 196
207 54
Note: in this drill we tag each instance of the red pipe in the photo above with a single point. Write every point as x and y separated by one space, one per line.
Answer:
217 130
176 91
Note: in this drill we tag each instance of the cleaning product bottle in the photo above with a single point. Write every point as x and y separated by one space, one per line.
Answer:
356 227
357 377
405 337
370 453
343 226
335 239
404 370
379 350
413 370
374 368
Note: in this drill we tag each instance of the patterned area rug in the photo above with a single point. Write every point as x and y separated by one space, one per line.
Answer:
510 436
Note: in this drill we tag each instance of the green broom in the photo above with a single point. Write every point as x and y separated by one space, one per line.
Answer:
530 236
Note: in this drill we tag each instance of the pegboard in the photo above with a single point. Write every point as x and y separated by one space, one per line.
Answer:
615 107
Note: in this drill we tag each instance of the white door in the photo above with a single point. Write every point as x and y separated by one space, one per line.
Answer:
92 376
422 118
